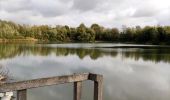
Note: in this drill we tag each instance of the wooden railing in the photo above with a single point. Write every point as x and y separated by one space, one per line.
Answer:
22 86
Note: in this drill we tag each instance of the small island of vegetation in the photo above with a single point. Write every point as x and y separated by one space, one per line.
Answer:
10 31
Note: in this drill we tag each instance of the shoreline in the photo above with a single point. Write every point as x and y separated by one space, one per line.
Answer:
125 44
18 40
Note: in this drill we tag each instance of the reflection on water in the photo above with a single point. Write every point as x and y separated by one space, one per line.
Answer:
129 74
13 50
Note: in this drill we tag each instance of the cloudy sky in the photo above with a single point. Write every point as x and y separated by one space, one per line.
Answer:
109 13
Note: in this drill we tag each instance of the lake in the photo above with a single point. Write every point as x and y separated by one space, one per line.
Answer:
135 73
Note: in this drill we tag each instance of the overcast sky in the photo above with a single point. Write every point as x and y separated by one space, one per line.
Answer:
109 13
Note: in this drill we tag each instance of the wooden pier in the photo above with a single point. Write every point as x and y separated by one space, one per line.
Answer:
22 86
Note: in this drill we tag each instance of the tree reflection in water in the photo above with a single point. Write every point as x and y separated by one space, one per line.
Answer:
155 55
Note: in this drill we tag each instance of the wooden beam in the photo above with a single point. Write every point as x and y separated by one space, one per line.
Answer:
77 90
22 94
6 87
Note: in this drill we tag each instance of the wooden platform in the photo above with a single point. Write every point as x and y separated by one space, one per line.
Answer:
22 86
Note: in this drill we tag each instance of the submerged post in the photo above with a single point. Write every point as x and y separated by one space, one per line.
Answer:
77 90
98 95
98 86
22 94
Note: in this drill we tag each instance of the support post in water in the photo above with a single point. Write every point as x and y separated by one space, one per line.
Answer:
22 94
98 95
77 90
98 86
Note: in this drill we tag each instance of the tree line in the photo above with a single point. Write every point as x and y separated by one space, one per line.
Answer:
82 33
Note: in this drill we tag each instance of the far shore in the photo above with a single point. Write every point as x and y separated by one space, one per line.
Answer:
125 44
18 40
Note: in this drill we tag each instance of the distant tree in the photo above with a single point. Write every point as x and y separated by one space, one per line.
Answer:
148 34
84 34
73 34
98 30
138 37
161 34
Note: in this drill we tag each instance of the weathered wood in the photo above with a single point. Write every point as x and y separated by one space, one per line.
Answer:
77 90
6 87
98 86
98 94
22 86
95 77
22 94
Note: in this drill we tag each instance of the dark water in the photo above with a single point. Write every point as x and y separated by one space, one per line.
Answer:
129 73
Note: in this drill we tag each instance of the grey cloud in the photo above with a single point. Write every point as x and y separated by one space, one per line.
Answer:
108 13
13 5
85 5
146 12
51 8
165 19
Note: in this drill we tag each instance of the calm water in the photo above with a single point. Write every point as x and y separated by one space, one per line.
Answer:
129 74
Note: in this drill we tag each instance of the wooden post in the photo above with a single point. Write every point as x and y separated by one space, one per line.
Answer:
98 89
77 90
22 94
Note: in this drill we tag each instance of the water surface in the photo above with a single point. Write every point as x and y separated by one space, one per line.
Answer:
129 73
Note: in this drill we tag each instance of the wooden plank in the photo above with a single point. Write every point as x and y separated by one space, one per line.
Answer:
6 87
77 90
22 94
